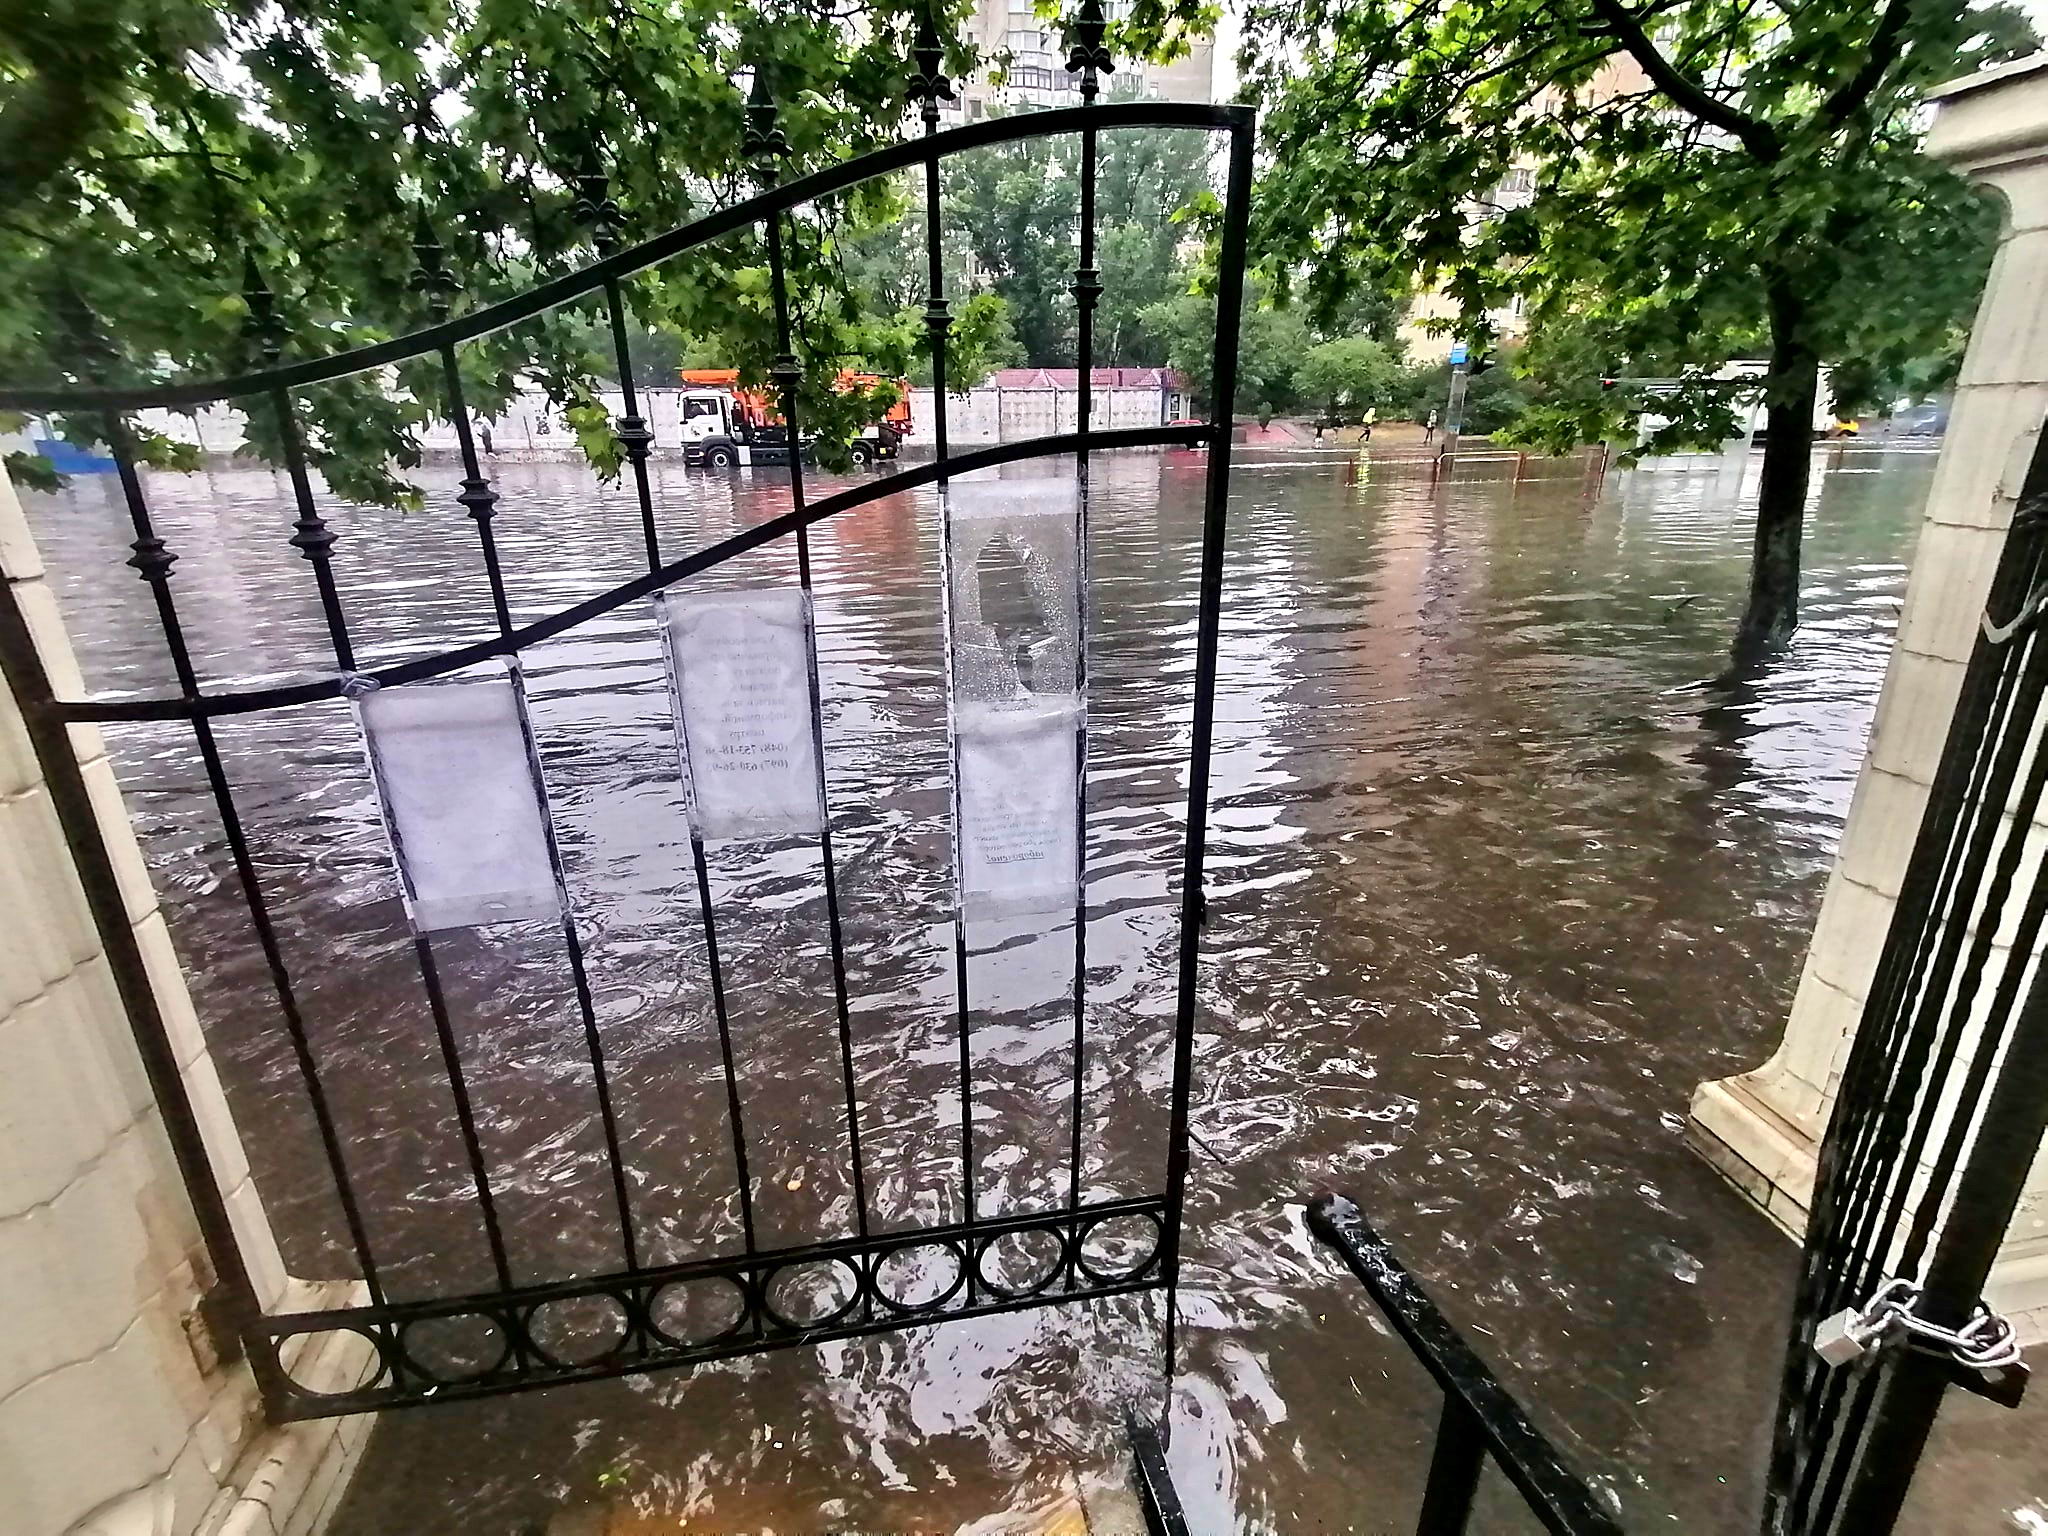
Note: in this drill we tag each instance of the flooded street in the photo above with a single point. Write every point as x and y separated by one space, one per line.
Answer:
1493 886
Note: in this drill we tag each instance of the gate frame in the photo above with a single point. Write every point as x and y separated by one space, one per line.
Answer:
524 1364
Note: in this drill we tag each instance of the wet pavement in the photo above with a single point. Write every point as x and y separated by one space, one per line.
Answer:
1494 885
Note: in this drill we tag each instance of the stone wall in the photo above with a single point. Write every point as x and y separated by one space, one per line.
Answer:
117 1416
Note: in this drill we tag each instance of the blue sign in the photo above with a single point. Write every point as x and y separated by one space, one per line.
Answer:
67 460
1458 355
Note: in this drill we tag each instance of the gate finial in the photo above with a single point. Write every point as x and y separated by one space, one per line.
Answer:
595 205
764 139
928 83
83 335
431 275
1088 57
262 326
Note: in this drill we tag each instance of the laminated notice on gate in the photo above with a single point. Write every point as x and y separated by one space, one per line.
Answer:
741 664
1013 575
1019 806
462 800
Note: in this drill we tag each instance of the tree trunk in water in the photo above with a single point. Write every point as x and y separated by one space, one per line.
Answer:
1773 611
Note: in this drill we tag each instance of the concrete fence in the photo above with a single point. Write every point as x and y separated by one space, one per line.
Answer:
530 428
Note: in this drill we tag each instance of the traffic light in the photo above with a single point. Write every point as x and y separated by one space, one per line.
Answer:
1609 383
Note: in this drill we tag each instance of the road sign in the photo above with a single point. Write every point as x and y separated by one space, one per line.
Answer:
1458 355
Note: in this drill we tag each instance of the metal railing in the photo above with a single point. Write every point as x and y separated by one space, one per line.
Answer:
1480 1418
1158 1500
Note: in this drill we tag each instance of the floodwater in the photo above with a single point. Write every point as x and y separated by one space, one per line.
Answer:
1493 886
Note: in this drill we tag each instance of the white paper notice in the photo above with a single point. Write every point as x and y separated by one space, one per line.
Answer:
462 803
741 664
1019 812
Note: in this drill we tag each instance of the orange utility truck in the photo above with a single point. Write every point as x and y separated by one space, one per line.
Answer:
724 425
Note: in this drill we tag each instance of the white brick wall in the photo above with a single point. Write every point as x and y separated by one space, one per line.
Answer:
115 1419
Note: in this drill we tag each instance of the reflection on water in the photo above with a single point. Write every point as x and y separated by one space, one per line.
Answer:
1493 887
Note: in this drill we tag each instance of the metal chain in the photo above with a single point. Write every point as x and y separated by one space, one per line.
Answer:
1887 1309
1986 1342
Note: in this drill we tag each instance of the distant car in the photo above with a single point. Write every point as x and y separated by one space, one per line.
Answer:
1188 421
1929 420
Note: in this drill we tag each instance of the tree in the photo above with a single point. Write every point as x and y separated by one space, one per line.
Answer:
1354 372
150 150
1147 178
1017 206
1365 310
1270 346
982 340
1685 181
1498 400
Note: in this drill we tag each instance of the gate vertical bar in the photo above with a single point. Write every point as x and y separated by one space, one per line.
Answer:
929 86
1209 612
1454 1469
481 501
766 143
1088 58
477 497
595 207
315 540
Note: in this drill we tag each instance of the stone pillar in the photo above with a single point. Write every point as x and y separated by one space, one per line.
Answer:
117 1416
1762 1128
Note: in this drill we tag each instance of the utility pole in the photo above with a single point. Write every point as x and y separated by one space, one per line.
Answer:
1454 410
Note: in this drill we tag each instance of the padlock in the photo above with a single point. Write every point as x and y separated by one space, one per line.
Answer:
1841 1338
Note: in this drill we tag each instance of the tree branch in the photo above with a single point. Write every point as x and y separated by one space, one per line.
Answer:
1756 135
1853 92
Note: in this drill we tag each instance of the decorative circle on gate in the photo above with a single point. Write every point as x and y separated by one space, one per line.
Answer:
690 1313
919 1277
1118 1248
578 1330
811 1294
464 1346
311 1361
1020 1263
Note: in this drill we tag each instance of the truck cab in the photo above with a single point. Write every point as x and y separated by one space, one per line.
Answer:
711 435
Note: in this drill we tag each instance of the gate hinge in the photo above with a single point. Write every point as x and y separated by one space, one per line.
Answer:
210 1331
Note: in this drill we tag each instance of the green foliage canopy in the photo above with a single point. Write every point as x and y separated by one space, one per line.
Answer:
1271 344
1679 182
1682 183
1016 207
150 148
1352 373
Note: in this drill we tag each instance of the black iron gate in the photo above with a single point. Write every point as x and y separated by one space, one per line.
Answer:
1943 1100
506 1347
